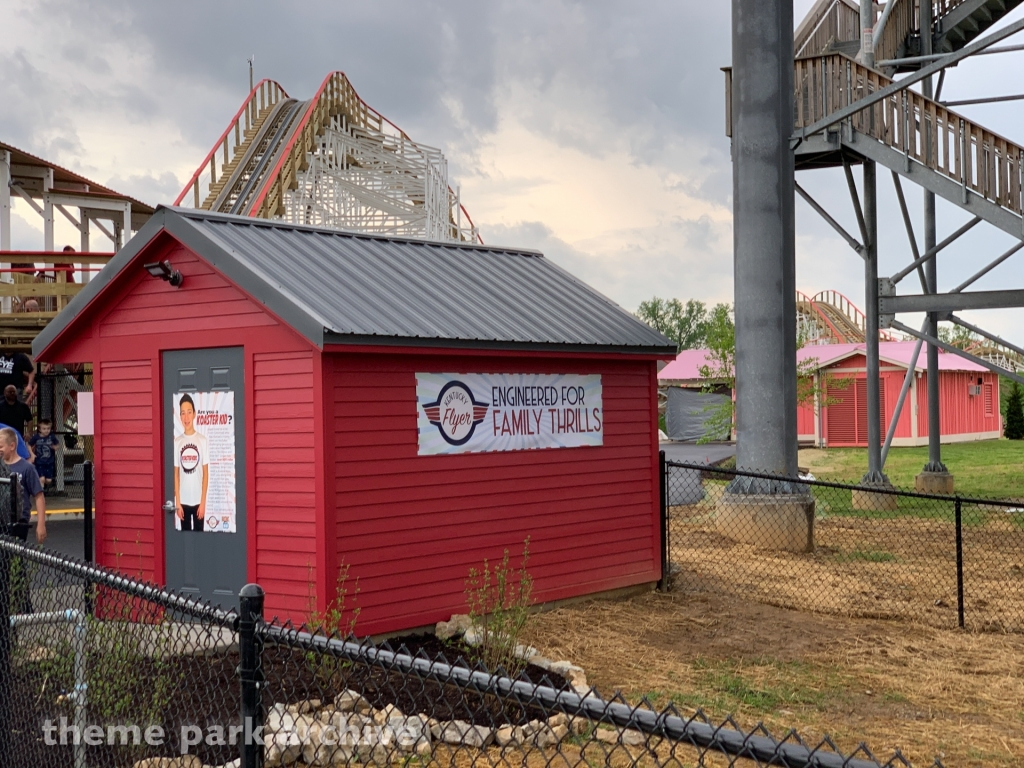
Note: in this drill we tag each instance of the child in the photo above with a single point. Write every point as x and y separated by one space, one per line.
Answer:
191 470
44 444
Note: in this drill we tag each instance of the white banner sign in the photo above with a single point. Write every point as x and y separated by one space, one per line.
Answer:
482 412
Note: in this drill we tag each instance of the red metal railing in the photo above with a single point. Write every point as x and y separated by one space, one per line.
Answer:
266 93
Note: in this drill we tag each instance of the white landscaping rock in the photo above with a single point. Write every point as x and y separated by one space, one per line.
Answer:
462 733
526 652
548 736
510 735
633 738
185 761
455 626
410 732
351 701
628 737
390 712
313 748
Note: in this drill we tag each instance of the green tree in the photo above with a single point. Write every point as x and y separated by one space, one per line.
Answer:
686 324
720 371
957 335
1013 428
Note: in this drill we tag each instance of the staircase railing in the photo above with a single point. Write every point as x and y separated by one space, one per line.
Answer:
265 94
923 130
828 21
902 21
974 157
941 7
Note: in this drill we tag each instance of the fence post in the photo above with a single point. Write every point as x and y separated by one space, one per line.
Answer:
87 532
959 562
663 519
250 614
6 747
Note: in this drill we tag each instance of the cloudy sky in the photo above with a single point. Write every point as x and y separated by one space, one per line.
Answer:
592 131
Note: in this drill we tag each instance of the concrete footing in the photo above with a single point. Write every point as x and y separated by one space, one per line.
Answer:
934 482
871 501
770 521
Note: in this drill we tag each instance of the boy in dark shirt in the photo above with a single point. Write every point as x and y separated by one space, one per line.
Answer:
44 444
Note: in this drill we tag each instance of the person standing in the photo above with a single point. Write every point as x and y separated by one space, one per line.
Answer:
14 413
16 368
30 485
191 470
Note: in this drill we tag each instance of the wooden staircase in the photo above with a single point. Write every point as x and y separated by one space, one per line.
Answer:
833 26
963 20
918 138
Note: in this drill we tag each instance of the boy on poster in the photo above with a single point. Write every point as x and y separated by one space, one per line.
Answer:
204 461
191 470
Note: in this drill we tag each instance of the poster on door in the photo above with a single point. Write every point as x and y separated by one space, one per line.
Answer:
485 412
204 461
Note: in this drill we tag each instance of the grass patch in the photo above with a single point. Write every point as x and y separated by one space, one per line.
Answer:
837 502
756 687
987 469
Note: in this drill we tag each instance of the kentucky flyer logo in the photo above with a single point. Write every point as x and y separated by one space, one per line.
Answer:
455 413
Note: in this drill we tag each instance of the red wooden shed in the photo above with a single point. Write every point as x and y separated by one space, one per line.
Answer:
969 394
404 407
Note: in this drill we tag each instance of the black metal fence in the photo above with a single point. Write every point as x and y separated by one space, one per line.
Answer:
97 669
864 551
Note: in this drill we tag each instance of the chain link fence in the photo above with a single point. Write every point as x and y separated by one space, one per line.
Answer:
98 669
864 551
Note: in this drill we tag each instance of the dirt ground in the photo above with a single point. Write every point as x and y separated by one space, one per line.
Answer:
895 565
893 685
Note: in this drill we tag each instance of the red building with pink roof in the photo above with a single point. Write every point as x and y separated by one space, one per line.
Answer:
969 392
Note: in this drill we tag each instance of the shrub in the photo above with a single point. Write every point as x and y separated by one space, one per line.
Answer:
1014 426
499 607
336 617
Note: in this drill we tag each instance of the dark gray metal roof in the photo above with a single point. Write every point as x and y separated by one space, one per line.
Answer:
346 288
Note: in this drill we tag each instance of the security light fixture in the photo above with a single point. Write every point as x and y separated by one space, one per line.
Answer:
164 271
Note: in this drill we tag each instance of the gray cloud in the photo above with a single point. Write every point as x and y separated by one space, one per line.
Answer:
593 77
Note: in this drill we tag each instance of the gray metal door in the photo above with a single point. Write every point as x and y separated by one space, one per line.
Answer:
205 555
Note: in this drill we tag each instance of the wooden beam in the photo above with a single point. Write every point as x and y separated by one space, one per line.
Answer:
40 289
71 257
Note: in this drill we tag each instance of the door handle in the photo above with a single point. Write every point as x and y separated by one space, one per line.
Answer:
169 506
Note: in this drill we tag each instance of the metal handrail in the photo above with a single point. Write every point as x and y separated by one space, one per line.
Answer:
928 133
266 93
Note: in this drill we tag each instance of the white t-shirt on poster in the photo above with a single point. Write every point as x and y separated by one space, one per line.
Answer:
191 457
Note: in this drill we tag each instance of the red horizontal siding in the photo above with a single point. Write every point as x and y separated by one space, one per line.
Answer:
410 527
285 474
127 482
124 335
210 302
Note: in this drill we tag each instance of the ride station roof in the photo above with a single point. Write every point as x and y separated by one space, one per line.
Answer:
686 366
346 288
